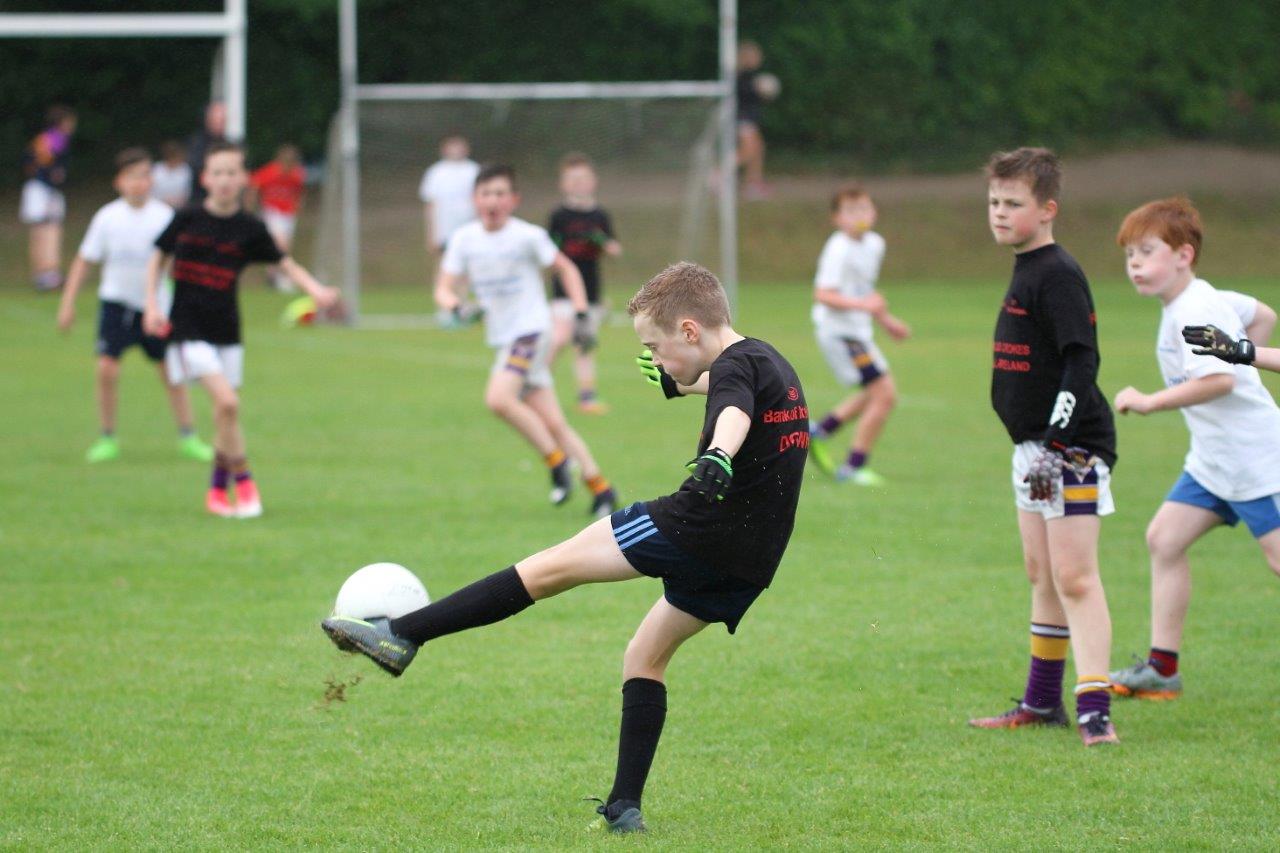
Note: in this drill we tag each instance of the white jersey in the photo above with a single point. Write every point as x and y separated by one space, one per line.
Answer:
122 238
505 270
1245 306
447 186
1235 440
850 267
171 184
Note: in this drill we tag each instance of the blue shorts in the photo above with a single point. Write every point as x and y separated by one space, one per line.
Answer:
1261 515
688 584
120 327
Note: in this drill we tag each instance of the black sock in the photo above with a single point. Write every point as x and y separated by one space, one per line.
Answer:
644 708
488 600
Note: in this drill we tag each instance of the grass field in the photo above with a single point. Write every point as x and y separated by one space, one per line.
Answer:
163 679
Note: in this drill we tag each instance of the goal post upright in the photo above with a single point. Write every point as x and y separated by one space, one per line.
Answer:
354 93
229 26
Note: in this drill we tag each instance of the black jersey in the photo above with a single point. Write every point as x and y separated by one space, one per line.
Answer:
581 235
750 104
1045 361
208 254
745 534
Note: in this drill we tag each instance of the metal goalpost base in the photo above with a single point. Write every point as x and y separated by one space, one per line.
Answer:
354 93
229 26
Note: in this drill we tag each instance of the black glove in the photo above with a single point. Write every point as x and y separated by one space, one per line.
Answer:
584 338
1211 340
711 474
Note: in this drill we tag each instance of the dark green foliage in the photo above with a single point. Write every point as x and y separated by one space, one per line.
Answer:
890 84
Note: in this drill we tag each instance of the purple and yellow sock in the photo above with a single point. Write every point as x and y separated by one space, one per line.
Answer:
1049 645
1093 695
857 458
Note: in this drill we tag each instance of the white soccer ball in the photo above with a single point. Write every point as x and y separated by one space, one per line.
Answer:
768 86
381 589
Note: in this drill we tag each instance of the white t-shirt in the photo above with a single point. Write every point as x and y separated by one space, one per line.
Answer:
447 186
1245 306
505 270
850 267
1235 440
122 238
171 184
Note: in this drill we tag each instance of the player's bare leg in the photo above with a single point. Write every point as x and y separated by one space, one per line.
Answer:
751 159
229 447
503 397
1041 703
189 444
107 382
561 334
45 253
881 396
584 371
591 556
843 412
851 407
544 402
1270 544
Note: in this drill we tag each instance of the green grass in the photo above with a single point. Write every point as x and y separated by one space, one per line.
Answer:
162 674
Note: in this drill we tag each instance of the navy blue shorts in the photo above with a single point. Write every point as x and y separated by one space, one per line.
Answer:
688 584
120 327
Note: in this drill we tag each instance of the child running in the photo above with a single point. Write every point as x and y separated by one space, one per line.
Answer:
1232 471
1044 389
209 244
716 543
502 258
845 302
121 237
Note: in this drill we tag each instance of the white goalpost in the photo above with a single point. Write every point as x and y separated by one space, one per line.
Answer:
229 27
661 148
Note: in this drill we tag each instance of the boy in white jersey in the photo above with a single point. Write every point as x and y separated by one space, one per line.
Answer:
445 192
1259 320
121 237
1232 472
845 303
502 258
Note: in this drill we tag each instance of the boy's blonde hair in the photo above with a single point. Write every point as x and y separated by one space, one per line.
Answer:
1039 167
682 291
574 159
851 191
1173 220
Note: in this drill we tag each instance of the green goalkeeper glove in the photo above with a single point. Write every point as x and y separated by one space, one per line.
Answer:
656 376
711 473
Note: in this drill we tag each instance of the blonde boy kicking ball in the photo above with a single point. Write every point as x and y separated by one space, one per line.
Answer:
1044 389
1232 471
208 245
122 237
501 258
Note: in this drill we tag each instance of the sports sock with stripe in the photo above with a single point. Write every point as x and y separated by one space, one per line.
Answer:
1092 695
597 484
488 600
554 458
1048 662
644 710
1163 661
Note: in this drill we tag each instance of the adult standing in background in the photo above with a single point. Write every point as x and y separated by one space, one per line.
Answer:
213 132
753 88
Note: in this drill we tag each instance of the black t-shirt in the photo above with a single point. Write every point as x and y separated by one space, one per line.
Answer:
750 104
581 235
745 534
1047 325
208 254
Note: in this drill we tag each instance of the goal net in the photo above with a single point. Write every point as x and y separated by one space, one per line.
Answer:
655 158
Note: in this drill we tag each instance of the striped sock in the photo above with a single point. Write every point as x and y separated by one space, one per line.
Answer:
596 484
1163 661
1092 695
1048 662
554 458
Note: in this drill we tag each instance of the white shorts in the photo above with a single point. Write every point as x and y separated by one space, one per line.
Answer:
1089 494
562 309
854 361
41 203
279 225
188 361
530 357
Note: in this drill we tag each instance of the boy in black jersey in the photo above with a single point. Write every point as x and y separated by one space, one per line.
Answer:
1044 388
715 543
209 244
583 231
